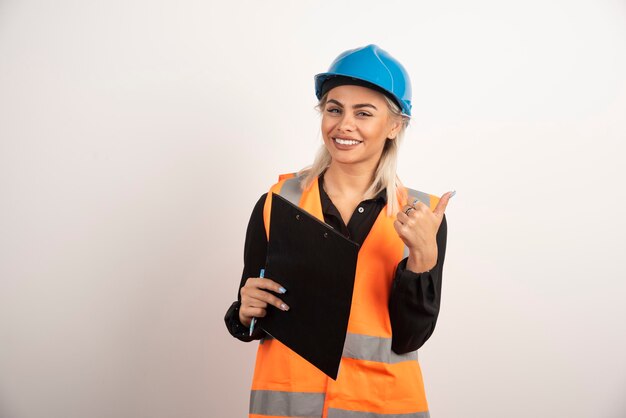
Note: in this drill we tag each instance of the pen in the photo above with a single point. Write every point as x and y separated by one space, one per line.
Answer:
261 274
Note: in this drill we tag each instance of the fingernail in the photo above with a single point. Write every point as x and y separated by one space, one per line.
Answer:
453 193
284 307
281 290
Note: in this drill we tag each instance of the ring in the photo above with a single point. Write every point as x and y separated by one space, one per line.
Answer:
409 209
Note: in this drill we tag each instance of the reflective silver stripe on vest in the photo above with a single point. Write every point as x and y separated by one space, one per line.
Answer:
422 197
287 404
342 413
291 190
366 347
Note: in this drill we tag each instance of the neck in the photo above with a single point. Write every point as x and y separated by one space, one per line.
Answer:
347 181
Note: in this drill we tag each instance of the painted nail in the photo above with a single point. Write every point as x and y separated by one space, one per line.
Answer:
453 193
281 290
284 307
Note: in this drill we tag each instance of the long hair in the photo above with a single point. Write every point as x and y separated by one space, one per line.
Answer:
385 176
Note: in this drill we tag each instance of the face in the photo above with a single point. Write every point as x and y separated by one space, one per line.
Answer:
356 123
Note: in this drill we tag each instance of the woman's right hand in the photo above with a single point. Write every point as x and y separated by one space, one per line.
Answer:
255 298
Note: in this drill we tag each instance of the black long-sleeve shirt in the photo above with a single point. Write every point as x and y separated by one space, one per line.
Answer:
414 298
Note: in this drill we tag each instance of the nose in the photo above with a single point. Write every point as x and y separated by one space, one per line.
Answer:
347 123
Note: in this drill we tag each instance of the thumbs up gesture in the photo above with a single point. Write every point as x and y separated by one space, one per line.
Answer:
417 226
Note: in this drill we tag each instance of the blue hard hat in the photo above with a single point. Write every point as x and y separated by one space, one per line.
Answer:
375 66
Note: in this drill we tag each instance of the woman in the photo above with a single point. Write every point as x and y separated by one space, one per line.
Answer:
365 103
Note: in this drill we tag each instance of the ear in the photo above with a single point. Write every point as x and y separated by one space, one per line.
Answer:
396 125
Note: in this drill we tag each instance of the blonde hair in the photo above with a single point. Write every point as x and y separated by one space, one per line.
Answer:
385 176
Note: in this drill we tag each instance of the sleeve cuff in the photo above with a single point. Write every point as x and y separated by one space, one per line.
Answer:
403 274
237 329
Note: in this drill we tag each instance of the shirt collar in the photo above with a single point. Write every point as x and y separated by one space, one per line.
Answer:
325 199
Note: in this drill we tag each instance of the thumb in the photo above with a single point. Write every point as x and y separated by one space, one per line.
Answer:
443 203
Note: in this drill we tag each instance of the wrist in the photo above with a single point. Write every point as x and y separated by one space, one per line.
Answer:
419 262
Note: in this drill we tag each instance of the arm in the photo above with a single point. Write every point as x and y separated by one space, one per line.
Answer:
415 299
255 249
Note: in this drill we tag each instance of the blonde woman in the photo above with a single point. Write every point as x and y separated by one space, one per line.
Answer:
365 106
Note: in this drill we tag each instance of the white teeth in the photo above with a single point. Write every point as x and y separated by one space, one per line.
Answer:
346 141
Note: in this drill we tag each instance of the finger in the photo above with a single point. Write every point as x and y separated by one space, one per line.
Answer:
251 296
413 212
407 209
417 204
263 283
402 217
254 312
268 298
443 203
399 226
421 207
254 303
401 230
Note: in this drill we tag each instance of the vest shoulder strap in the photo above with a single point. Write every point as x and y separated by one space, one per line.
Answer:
286 176
291 189
288 187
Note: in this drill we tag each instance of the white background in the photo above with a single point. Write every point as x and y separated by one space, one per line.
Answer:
136 136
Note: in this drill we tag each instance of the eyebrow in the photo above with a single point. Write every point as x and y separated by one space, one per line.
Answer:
356 106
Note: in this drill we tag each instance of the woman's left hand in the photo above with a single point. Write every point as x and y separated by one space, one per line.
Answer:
417 226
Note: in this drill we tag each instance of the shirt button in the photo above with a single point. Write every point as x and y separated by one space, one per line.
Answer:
361 210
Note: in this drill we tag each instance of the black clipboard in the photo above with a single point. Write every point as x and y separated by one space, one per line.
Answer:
316 264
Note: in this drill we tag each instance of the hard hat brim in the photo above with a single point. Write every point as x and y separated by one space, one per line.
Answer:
321 78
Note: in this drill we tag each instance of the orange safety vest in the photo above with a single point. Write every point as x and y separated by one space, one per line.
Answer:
373 381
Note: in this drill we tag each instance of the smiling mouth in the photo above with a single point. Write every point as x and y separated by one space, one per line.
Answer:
342 141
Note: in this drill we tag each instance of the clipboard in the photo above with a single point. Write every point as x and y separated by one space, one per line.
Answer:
317 265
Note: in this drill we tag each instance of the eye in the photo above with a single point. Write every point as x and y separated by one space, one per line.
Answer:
362 113
334 110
